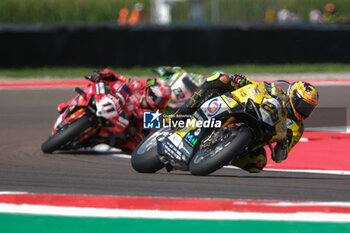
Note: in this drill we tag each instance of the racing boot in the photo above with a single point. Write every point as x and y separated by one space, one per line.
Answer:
253 162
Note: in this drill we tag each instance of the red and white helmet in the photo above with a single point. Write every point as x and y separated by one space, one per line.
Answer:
157 93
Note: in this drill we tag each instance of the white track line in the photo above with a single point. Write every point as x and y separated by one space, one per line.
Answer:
11 192
327 172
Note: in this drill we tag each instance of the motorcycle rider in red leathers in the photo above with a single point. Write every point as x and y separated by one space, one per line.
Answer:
124 107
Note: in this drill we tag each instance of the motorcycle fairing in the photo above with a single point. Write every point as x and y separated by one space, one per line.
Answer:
250 104
67 117
76 108
181 144
267 108
175 147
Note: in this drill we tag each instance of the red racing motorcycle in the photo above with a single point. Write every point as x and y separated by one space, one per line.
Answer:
81 121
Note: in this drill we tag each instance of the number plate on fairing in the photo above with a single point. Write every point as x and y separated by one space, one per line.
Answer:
270 110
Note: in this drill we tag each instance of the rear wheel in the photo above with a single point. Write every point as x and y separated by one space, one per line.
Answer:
67 134
219 148
145 158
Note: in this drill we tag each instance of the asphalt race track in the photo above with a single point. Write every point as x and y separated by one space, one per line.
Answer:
27 117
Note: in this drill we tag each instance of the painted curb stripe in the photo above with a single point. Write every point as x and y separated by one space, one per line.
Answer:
161 214
174 204
43 83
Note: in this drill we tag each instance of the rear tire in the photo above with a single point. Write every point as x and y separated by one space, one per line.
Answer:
205 162
145 158
63 136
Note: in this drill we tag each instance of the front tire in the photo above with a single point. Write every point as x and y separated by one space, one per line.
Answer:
206 161
145 158
66 135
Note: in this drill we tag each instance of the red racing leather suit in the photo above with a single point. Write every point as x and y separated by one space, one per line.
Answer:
125 130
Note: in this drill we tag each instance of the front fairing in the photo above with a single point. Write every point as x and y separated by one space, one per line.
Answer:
67 117
257 101
77 108
182 143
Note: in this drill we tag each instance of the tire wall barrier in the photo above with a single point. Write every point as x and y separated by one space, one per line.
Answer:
148 45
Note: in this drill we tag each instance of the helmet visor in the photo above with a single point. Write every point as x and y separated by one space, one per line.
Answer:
303 107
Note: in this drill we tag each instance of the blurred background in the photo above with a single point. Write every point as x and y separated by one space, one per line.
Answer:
174 11
127 33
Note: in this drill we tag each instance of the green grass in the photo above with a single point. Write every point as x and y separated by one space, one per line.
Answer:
69 72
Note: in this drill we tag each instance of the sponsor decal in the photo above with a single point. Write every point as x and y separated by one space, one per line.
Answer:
227 99
183 148
283 125
151 120
191 138
257 91
213 107
175 139
252 92
197 132
242 93
172 151
290 123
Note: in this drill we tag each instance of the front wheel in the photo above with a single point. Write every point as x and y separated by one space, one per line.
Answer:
145 158
66 134
219 149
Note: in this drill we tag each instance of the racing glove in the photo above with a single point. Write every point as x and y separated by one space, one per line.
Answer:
239 80
97 76
94 77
